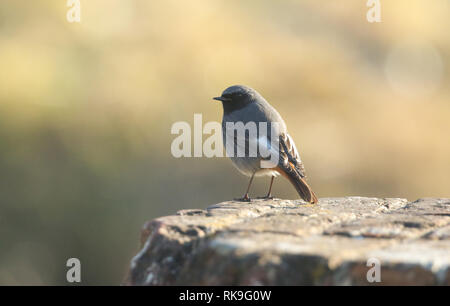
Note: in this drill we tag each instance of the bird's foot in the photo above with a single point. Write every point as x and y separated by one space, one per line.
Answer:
245 198
267 197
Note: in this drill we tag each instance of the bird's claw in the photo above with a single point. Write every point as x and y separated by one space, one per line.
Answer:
245 198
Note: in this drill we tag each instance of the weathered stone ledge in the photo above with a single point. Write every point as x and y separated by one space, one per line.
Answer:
283 242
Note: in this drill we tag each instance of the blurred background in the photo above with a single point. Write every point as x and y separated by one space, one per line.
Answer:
86 111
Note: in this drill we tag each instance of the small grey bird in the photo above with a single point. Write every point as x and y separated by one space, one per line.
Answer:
244 104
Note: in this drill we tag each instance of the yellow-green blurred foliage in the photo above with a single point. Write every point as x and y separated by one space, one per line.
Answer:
86 110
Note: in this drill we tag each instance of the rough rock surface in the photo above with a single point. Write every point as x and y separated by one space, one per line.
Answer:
282 242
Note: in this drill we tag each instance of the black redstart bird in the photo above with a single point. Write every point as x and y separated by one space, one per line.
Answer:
242 104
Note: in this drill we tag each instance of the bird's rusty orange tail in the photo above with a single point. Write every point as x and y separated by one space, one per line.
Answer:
299 183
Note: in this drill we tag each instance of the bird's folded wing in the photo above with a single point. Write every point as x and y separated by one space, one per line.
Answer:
289 154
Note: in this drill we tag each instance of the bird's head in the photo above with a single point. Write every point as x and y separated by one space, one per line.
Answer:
236 97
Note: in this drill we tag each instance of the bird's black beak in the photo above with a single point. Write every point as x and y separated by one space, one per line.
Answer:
221 99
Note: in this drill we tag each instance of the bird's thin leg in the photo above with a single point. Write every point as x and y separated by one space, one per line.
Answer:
246 198
269 194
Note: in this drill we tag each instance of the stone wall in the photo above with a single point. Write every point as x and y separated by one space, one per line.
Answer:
283 242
